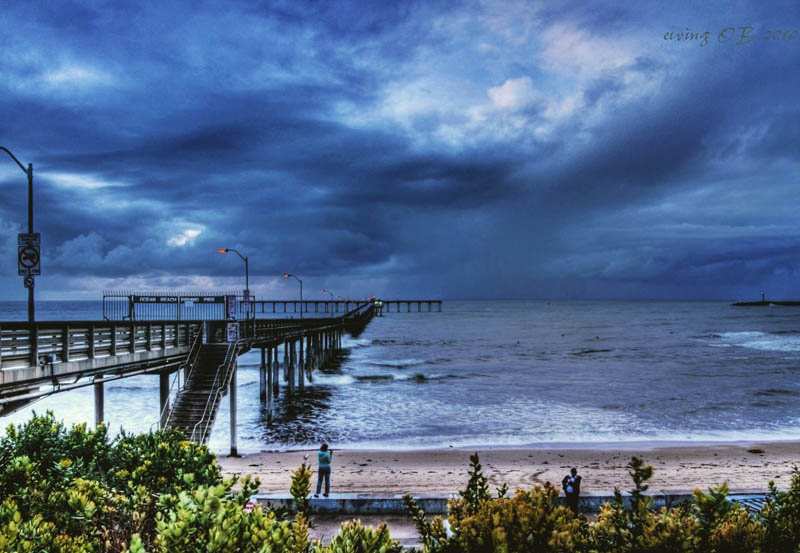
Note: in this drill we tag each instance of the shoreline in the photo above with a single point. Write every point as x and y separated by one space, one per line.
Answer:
745 466
632 445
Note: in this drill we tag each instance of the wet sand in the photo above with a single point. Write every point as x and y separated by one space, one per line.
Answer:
746 467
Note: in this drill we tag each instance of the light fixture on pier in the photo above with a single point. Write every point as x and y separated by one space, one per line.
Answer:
287 276
326 291
244 258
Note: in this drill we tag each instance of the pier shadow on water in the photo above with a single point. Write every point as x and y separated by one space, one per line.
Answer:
296 416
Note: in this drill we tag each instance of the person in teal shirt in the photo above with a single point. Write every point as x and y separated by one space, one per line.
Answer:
324 458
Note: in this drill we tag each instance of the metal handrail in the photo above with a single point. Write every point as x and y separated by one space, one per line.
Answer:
215 391
191 361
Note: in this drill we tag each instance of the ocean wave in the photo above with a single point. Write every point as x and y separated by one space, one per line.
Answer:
762 341
412 342
333 379
776 392
347 379
352 343
396 363
590 351
394 377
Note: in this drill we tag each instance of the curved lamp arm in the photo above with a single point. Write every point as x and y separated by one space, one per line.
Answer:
12 156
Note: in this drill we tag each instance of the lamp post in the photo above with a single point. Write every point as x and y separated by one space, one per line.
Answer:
28 279
286 276
244 258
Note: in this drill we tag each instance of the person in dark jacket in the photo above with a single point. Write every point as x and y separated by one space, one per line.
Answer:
324 458
572 489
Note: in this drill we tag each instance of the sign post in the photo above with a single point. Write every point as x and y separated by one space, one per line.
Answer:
29 261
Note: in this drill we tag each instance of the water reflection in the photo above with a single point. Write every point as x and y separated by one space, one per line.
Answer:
295 415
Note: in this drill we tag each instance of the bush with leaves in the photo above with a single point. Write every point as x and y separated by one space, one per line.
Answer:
354 537
301 488
91 488
781 518
528 521
534 521
213 519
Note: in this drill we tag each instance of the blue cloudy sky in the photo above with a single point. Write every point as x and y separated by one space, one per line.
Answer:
563 149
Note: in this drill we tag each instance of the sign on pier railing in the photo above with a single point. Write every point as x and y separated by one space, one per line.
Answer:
179 306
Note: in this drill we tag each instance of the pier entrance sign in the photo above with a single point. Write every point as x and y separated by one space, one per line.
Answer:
29 258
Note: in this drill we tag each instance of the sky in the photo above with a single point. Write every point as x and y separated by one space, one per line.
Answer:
477 149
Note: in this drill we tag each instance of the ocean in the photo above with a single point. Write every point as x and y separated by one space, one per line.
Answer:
508 374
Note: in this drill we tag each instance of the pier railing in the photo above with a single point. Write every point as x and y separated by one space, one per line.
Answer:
48 349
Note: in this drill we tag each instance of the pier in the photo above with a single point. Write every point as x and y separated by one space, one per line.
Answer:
195 359
767 303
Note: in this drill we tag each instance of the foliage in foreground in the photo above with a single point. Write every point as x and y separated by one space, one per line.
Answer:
74 491
533 521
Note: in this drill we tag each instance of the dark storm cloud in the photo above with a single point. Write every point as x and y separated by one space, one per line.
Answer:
471 149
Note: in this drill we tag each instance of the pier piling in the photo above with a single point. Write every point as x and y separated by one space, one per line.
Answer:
163 397
99 400
276 381
232 395
262 376
301 373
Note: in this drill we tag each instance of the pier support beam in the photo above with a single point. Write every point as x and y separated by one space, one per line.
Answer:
163 397
269 384
262 376
286 361
276 373
301 366
99 401
291 365
232 395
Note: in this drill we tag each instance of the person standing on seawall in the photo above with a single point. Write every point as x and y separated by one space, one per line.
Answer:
324 458
572 489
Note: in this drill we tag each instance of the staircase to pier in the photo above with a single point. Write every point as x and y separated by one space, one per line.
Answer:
195 406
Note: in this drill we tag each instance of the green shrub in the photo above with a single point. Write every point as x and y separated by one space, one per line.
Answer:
354 537
86 487
529 521
534 522
781 518
213 519
301 488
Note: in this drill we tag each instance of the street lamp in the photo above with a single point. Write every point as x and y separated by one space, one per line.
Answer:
286 276
326 291
29 278
244 258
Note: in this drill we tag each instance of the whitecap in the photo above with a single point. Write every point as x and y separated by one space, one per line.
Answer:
762 341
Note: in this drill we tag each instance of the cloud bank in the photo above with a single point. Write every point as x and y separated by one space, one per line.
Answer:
478 149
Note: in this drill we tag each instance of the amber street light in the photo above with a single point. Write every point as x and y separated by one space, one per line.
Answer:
224 251
287 276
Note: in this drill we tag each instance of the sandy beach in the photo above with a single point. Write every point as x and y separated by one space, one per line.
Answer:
744 467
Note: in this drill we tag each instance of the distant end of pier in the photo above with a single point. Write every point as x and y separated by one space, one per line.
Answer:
767 303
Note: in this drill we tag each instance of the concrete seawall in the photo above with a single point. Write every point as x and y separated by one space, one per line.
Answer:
374 504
